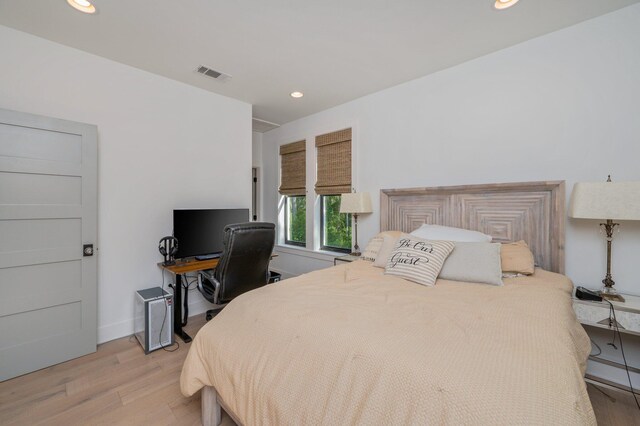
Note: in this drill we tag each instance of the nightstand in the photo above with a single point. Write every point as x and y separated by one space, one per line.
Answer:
346 259
596 314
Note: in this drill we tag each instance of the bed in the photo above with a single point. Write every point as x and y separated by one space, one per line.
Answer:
351 345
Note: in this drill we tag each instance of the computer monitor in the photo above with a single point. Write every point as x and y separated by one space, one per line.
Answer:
200 232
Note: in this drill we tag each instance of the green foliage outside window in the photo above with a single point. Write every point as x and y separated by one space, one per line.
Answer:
336 232
296 219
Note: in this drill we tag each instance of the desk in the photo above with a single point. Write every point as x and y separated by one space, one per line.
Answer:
179 268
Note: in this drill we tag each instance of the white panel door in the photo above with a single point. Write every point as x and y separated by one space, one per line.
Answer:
48 211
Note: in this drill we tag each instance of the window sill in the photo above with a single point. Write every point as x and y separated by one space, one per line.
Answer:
305 252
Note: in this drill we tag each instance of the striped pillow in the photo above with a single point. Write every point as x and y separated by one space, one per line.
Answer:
418 260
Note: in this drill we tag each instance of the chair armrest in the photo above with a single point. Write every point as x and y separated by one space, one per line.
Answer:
211 294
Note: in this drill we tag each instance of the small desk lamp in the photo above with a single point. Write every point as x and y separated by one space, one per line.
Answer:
608 201
355 203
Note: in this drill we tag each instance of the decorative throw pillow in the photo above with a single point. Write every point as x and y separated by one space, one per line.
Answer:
418 260
388 244
371 252
475 263
392 234
517 258
447 233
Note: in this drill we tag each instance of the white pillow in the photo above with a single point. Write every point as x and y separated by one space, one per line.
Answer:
388 244
446 233
475 263
418 260
370 253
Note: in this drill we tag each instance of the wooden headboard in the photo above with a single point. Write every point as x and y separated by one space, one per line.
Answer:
530 211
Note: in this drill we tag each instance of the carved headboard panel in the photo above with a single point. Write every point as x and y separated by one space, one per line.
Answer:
530 211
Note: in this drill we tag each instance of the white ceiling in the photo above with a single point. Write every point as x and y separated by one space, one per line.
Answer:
332 50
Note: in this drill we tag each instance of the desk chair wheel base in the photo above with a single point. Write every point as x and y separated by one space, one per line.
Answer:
212 313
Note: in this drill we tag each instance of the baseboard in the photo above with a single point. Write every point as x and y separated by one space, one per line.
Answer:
109 332
106 333
200 305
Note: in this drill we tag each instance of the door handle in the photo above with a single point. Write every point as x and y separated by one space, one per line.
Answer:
87 250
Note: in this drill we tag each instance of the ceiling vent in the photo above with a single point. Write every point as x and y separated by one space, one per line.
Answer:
263 126
220 76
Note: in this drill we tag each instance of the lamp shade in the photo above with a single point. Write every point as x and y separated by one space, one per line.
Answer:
355 203
605 200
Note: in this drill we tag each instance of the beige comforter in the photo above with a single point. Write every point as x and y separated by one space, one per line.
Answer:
351 346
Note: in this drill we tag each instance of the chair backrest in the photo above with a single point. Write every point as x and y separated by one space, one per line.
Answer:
244 263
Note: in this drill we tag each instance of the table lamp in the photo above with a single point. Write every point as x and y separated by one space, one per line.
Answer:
606 201
355 203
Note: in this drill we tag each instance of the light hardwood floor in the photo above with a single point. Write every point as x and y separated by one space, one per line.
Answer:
120 385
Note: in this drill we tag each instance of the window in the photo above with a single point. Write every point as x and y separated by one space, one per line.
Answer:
335 226
295 220
333 160
331 230
293 176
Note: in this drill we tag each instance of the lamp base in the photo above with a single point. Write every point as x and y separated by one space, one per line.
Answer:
355 253
610 294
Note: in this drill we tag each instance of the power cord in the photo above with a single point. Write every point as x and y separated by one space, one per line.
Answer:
164 320
612 312
597 346
188 286
185 305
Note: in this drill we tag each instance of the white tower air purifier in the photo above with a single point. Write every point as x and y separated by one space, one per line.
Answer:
154 318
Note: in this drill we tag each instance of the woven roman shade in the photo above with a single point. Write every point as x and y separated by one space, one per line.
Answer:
293 166
334 163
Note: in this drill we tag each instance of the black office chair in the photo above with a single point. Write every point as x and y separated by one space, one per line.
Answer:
243 265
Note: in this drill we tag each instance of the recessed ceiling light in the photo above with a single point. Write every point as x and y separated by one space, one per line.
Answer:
82 5
296 94
504 4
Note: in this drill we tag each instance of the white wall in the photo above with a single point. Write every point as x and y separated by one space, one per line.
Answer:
564 106
162 145
560 107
